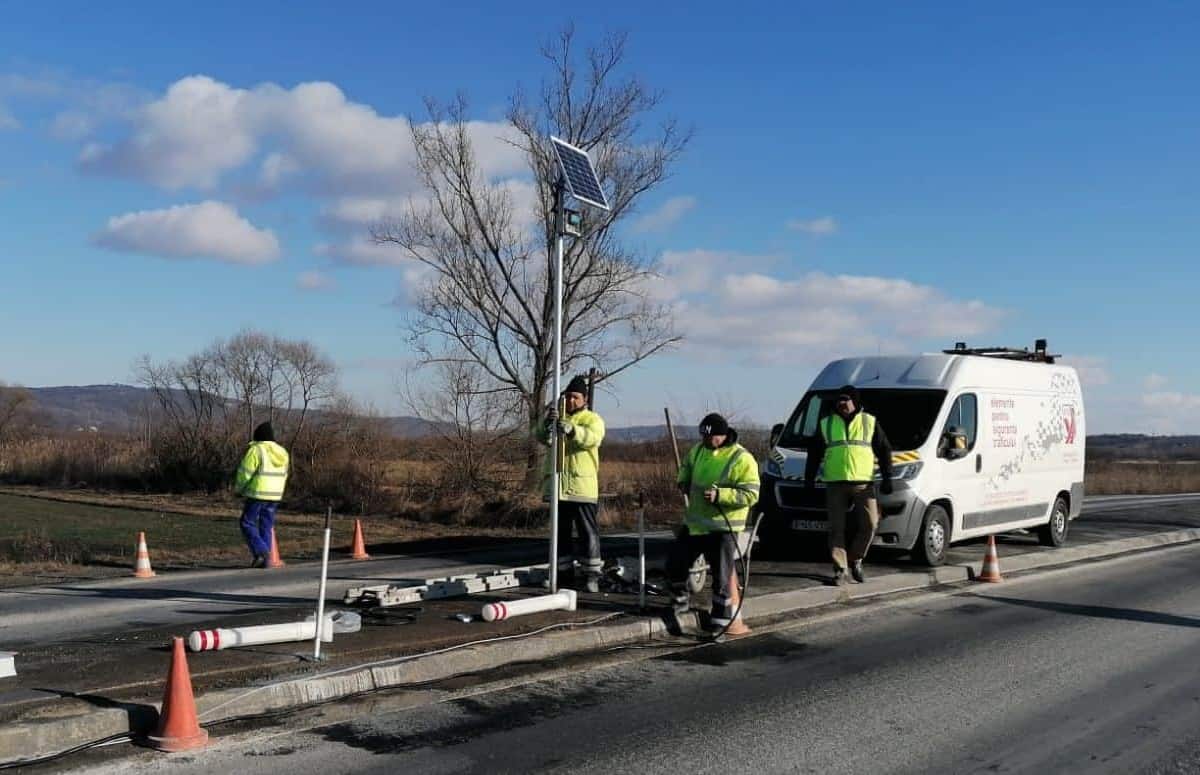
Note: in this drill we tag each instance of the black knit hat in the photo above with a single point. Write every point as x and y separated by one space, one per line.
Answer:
578 385
852 392
714 425
264 432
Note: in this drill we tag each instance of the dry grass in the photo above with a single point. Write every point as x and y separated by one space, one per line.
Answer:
1151 477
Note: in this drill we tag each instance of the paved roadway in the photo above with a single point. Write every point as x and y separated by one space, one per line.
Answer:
1091 669
41 615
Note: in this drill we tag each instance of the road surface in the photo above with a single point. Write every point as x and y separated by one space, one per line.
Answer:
1092 669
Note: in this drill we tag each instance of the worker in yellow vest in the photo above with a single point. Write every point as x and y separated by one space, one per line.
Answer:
847 446
261 479
582 431
720 479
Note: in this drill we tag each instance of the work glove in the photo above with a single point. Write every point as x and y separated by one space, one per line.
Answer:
552 414
711 494
885 487
565 428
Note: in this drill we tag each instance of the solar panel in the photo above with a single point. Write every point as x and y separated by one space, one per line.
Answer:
580 175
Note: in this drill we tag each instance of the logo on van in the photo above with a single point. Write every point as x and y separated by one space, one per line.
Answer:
1071 422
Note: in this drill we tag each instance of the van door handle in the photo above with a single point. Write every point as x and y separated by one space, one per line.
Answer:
978 463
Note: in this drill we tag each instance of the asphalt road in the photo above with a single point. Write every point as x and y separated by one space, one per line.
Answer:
1091 669
39 615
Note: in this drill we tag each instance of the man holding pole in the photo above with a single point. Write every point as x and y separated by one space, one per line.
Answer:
720 479
579 432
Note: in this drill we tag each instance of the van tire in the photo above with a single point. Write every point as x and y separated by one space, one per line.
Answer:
934 539
1054 532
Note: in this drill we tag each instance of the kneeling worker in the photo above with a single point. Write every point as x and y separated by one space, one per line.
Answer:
579 484
721 480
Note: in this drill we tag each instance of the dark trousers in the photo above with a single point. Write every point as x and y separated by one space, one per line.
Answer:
258 517
586 547
720 550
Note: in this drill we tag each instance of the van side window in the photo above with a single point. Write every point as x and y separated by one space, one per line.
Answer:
812 415
964 417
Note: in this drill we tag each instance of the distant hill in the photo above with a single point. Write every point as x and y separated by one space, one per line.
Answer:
122 409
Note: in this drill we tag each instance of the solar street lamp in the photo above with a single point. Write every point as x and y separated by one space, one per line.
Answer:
577 177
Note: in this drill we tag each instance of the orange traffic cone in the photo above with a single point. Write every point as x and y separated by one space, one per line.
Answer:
359 550
737 626
991 563
141 566
273 560
178 727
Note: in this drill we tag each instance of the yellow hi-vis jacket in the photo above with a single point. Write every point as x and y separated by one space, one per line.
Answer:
848 453
263 472
580 477
734 472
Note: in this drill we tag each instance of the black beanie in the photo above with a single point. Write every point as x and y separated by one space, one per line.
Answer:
578 385
264 432
850 390
714 425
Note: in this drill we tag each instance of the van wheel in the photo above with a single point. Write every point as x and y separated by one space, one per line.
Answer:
1054 533
934 539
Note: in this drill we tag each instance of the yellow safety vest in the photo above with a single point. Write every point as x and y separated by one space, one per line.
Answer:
580 477
848 453
263 473
733 471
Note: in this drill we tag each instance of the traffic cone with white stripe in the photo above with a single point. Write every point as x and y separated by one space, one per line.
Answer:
991 563
141 566
359 550
178 725
737 626
273 560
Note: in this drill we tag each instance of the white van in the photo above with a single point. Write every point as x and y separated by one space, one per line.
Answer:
984 441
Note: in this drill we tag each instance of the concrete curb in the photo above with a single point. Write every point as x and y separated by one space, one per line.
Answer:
77 724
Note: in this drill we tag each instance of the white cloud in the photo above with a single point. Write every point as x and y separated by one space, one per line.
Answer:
817 227
1154 382
1092 370
724 305
314 281
667 215
206 230
362 251
201 130
84 104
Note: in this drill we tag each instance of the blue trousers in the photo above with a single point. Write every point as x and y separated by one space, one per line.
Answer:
258 517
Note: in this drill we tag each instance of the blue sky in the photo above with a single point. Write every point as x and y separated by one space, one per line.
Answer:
929 172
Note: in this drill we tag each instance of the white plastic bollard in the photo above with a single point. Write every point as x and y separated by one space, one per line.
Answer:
563 600
257 635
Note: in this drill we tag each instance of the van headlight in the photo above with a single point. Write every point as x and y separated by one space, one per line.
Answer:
906 471
773 468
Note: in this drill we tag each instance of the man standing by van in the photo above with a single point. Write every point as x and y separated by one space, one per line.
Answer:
848 443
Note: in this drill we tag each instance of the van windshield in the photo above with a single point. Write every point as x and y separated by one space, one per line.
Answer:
906 416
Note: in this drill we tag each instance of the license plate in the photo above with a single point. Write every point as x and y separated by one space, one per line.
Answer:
809 524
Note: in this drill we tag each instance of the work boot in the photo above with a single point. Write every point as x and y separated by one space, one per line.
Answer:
839 578
259 561
857 572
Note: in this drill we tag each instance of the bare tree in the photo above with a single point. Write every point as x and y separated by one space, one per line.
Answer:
210 402
472 420
489 300
15 404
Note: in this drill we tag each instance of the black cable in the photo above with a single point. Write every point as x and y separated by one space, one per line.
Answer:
61 754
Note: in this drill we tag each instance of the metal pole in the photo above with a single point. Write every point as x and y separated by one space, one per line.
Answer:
558 293
641 550
675 450
321 594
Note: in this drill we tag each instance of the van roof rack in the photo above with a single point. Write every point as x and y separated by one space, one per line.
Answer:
1039 354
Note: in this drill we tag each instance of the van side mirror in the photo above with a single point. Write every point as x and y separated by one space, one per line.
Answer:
776 433
953 445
